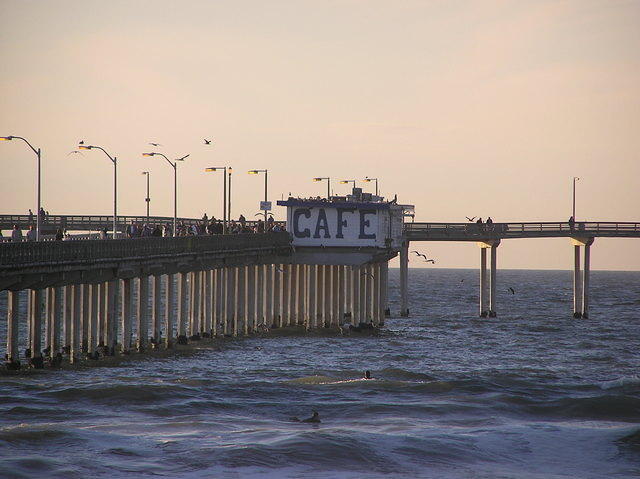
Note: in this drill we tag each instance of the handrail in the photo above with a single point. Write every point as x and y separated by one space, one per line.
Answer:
19 254
523 229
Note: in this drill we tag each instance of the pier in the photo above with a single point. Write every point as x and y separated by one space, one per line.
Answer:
489 236
87 299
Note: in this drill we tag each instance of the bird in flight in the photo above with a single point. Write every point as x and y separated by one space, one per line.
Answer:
279 269
183 158
420 254
470 219
155 144
368 274
207 142
513 291
432 261
74 151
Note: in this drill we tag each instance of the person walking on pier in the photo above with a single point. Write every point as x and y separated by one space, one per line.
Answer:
16 234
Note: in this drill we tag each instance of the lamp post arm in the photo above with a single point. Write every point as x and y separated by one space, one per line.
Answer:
36 151
113 160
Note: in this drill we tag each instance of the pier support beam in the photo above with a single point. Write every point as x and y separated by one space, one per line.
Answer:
493 246
182 308
404 279
585 281
75 349
384 290
67 315
577 287
581 308
250 300
341 295
126 318
35 328
94 306
311 294
111 337
302 294
13 322
156 308
277 295
169 315
268 295
143 315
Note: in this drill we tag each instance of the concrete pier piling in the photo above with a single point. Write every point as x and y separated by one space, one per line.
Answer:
581 288
404 279
142 316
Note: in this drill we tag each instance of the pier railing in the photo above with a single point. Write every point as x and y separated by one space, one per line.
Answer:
92 251
85 222
478 232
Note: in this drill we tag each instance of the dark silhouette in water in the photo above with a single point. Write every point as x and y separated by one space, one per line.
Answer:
315 418
367 374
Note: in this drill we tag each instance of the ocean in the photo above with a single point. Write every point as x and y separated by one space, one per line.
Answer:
532 393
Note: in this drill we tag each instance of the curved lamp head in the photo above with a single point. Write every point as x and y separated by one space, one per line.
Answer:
253 172
84 147
6 138
148 154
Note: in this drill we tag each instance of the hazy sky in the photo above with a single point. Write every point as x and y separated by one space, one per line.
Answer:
460 107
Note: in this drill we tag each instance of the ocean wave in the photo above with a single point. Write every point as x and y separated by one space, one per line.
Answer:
122 393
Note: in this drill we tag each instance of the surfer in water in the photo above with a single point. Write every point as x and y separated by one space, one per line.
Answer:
367 375
315 418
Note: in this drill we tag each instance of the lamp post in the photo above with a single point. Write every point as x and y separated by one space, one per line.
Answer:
37 152
229 171
174 165
320 178
574 197
224 194
147 199
266 176
369 180
344 182
114 160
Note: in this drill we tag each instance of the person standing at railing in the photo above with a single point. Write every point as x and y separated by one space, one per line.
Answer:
572 223
30 216
489 224
31 234
59 235
16 234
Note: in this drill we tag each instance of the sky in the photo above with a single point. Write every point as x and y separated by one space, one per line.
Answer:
462 108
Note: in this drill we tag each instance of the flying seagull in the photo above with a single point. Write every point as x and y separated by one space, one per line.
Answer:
368 274
75 151
470 219
183 158
155 144
513 291
432 261
207 142
279 269
420 254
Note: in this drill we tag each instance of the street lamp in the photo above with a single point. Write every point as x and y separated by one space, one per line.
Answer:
369 180
224 194
574 197
37 152
114 160
344 182
147 199
266 175
320 178
174 164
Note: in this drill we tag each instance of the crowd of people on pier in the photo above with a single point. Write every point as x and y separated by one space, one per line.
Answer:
206 226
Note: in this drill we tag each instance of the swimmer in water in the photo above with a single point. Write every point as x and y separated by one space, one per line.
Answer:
367 374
